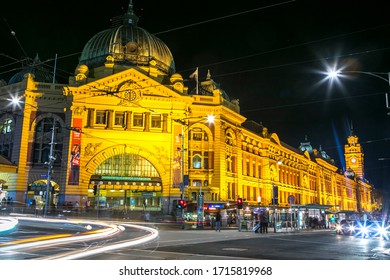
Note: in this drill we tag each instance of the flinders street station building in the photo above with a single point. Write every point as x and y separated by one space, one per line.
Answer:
127 134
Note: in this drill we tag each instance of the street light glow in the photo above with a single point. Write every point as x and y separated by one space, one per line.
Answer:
333 74
210 118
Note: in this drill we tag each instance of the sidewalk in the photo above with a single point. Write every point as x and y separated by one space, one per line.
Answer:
172 226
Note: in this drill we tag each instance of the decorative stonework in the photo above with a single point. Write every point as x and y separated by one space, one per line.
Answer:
129 93
163 153
78 111
91 149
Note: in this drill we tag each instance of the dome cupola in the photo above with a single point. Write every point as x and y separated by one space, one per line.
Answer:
127 45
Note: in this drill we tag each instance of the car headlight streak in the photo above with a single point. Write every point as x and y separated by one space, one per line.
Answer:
365 229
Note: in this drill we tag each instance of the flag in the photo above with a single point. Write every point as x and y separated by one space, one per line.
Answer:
195 74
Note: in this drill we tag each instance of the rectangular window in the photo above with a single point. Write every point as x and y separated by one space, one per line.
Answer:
197 136
119 118
205 160
196 183
100 117
138 120
156 121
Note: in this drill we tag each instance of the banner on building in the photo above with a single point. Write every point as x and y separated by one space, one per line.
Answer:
75 153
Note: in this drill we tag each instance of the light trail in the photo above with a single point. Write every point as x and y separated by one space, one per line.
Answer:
46 241
54 240
7 224
153 234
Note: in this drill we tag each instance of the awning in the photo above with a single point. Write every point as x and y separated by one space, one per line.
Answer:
311 206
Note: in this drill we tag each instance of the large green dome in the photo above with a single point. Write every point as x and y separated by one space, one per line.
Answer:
128 45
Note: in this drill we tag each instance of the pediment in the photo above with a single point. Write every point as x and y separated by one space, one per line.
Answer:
129 85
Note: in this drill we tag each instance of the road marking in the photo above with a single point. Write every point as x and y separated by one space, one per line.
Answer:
234 249
385 251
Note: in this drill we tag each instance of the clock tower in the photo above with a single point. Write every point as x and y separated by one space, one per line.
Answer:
354 157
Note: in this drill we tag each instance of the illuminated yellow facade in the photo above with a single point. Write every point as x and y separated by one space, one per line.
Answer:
127 135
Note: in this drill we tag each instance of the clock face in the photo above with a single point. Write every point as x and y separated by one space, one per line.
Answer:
353 160
129 95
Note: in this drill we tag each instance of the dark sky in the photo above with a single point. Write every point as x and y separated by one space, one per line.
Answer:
267 54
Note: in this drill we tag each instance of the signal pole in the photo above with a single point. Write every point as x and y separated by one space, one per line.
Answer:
49 170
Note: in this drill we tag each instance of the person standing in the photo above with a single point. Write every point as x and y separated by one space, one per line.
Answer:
218 219
263 223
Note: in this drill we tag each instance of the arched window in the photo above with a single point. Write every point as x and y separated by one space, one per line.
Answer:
127 165
43 138
196 161
6 137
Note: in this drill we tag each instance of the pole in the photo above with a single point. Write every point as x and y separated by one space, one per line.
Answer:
50 163
55 69
274 218
182 174
98 199
200 208
274 203
238 219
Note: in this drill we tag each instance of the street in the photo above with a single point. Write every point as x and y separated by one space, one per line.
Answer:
231 244
173 243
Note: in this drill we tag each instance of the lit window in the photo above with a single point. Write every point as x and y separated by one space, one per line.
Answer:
197 161
100 117
119 118
43 137
138 120
156 121
197 136
7 126
196 183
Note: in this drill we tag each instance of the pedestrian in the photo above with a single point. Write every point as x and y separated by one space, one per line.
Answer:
263 223
76 206
87 205
218 219
147 216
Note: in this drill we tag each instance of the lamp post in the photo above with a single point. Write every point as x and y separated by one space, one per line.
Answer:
49 170
335 74
185 178
16 103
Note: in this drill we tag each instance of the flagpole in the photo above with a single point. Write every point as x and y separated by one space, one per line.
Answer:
196 76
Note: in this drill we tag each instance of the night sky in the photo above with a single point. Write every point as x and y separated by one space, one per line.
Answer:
267 54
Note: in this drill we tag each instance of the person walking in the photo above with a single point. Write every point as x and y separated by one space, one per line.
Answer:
218 219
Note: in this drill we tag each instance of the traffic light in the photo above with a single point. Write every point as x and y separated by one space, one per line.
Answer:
94 189
181 204
239 203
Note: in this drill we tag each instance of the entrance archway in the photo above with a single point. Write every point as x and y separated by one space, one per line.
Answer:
126 182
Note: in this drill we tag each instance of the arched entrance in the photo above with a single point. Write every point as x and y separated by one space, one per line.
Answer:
126 182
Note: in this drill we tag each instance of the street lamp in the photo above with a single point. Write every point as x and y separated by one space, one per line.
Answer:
185 179
49 170
335 74
16 102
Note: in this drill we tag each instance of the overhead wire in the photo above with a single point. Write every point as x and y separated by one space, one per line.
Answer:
223 17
